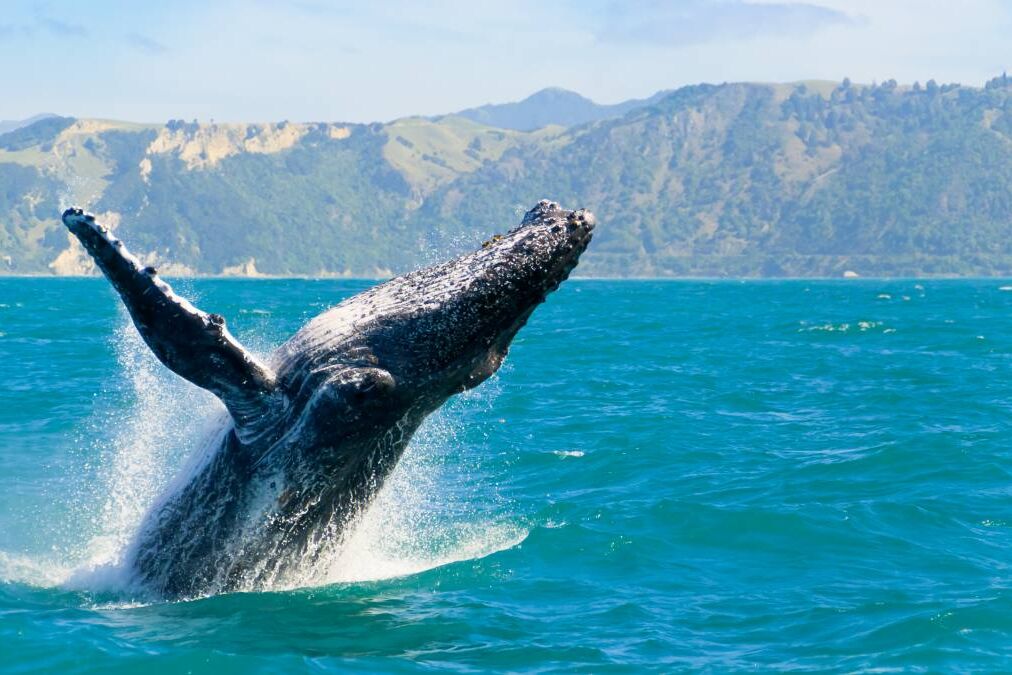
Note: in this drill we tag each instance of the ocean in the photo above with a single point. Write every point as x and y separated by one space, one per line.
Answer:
665 475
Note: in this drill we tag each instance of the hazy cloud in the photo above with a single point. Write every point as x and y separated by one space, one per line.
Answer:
145 44
319 8
61 28
361 61
43 23
698 21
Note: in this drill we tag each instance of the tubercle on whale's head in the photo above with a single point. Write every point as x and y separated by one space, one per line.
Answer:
469 310
522 268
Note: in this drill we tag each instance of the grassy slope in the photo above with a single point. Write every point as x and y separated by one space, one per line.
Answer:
808 178
745 180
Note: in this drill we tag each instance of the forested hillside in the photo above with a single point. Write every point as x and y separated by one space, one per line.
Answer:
712 180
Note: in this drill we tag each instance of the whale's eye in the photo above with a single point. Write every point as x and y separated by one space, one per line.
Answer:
347 395
377 380
364 385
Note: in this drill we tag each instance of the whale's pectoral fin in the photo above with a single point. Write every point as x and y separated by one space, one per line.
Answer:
193 344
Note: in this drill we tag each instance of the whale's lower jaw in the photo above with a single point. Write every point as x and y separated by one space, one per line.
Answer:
314 433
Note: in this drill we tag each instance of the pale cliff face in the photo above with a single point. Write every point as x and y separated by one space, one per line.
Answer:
74 260
197 146
205 145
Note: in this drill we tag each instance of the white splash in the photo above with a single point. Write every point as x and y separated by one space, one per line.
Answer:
415 523
35 571
427 513
424 517
140 453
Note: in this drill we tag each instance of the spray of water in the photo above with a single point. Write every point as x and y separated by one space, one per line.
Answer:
140 450
435 508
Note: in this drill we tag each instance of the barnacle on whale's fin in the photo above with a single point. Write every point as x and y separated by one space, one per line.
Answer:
192 343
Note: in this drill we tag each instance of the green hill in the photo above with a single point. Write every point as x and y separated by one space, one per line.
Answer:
712 180
552 106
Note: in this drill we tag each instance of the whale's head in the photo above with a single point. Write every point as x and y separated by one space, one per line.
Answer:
420 338
467 311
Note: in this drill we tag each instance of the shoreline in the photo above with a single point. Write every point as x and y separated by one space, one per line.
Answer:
732 279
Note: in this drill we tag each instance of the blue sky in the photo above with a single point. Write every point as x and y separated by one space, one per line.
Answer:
301 60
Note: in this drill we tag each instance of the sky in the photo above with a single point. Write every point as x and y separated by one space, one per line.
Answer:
323 60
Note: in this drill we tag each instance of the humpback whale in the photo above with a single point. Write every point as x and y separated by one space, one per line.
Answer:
313 431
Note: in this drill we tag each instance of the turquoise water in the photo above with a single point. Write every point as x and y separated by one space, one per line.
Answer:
666 475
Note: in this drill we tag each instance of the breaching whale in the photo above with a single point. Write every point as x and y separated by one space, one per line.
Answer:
314 431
